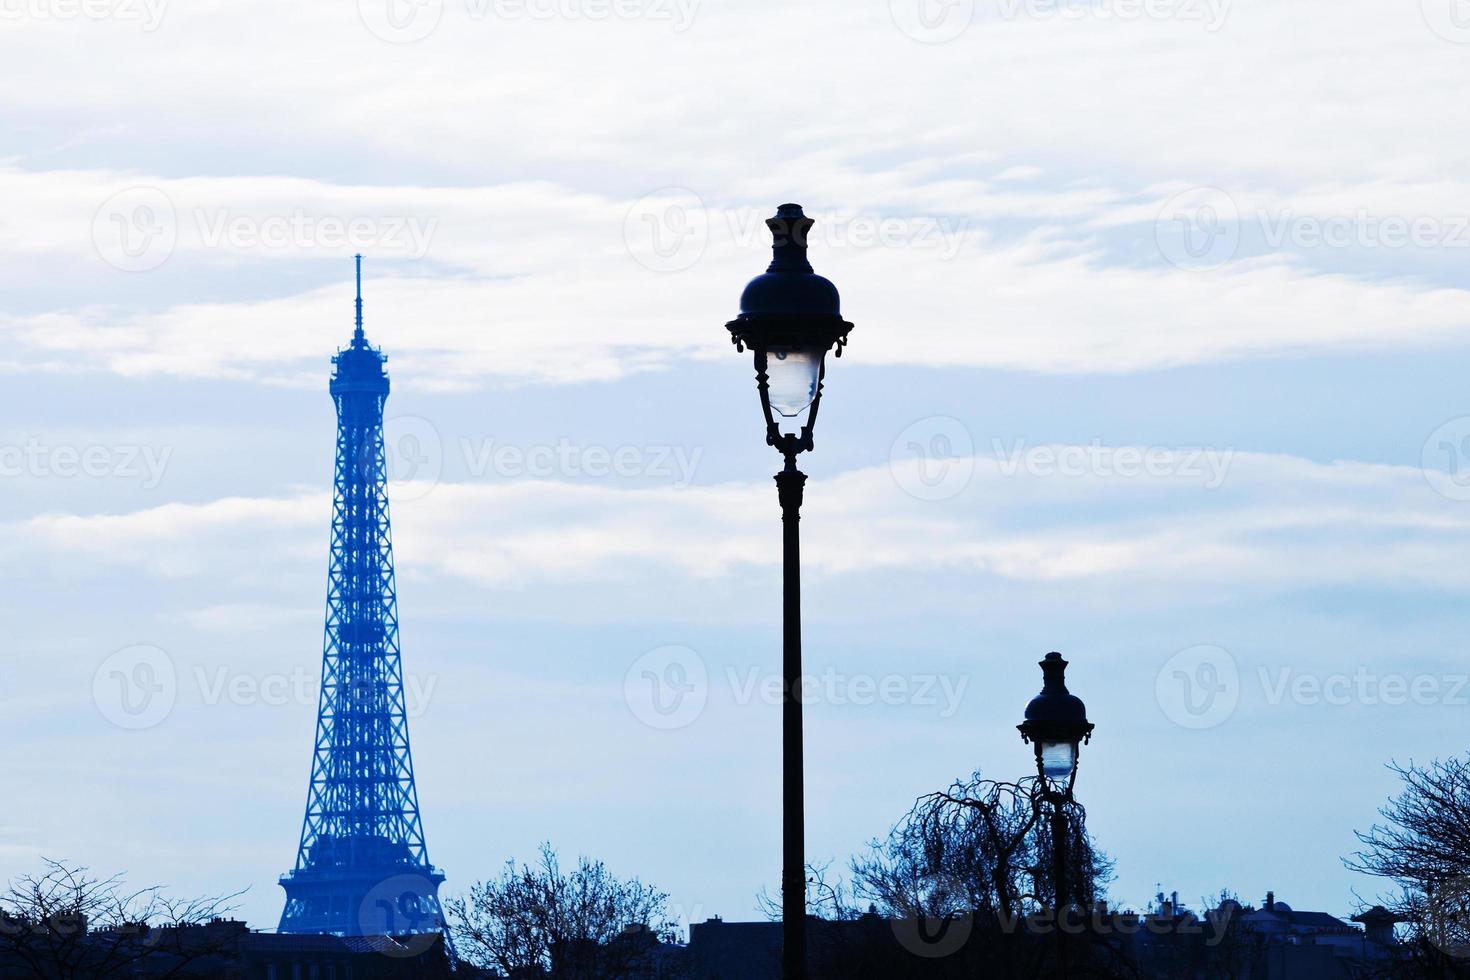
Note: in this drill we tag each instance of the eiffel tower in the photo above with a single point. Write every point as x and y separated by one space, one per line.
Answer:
362 867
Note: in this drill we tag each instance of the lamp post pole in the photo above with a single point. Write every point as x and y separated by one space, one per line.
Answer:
790 317
789 485
1059 878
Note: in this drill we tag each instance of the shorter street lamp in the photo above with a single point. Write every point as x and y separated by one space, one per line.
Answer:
790 317
1056 724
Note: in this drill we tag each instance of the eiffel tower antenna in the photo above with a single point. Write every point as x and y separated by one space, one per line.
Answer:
357 335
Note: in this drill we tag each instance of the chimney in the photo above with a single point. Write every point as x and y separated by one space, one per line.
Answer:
1270 901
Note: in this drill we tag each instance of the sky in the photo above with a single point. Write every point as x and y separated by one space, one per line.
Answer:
1160 319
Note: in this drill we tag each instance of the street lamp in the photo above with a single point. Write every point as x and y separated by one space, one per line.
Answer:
1056 724
790 317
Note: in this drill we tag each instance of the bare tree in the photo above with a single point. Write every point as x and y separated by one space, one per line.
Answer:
979 847
826 898
581 925
65 922
951 886
1422 845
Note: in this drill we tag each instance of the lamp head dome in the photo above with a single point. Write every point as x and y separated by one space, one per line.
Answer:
1055 713
789 305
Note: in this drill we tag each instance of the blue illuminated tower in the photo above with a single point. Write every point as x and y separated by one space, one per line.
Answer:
362 867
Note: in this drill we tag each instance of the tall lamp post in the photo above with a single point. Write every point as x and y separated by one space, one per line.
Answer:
790 317
1056 724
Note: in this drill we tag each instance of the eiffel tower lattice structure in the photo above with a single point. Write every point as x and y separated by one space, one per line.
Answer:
362 867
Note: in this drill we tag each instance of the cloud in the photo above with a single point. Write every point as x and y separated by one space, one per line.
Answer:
1210 87
577 223
1275 523
537 283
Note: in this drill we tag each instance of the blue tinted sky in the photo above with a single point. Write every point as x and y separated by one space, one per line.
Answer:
1158 361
